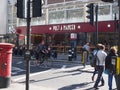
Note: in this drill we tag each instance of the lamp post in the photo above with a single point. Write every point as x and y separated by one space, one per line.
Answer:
96 23
28 44
119 30
118 59
115 29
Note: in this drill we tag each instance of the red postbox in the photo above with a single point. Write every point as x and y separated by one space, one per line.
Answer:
5 64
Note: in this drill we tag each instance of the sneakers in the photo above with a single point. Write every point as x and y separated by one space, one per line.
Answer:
95 88
102 84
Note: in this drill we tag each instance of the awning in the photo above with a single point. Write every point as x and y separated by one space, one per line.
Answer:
103 26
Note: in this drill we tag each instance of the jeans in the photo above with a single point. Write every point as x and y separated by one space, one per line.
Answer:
110 78
95 71
99 77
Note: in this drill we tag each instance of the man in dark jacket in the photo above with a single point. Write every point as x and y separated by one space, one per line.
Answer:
109 67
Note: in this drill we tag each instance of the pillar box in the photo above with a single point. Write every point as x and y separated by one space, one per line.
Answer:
5 64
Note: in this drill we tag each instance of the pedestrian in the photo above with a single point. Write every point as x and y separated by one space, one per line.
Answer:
86 48
93 59
40 51
100 63
109 67
21 50
15 50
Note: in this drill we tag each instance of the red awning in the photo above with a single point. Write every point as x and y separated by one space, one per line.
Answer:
103 26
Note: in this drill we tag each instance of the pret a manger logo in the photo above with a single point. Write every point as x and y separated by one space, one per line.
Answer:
64 27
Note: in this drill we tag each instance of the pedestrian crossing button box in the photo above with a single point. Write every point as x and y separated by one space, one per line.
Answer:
27 55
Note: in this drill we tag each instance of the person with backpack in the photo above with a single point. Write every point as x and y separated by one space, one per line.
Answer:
94 59
100 63
109 67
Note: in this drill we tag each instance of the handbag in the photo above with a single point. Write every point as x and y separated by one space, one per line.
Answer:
106 71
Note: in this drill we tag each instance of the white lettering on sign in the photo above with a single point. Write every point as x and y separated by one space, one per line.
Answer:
63 27
73 36
56 28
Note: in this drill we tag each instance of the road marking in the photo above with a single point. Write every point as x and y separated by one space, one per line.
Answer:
31 75
61 69
19 62
16 70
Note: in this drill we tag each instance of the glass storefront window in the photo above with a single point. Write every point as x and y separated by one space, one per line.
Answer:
104 10
75 15
22 22
38 20
115 9
56 17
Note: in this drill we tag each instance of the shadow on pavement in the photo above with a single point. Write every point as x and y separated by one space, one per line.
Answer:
75 86
59 76
76 70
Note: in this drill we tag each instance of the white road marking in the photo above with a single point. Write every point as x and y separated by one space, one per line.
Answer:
61 69
31 75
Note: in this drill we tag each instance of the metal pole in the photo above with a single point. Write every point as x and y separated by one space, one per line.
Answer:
118 76
119 30
28 43
17 40
96 23
115 29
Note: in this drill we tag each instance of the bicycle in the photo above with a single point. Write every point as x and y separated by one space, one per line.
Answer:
42 60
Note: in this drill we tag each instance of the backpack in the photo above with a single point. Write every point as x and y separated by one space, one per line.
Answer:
39 48
108 64
94 60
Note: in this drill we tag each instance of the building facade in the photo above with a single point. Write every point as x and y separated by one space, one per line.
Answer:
63 18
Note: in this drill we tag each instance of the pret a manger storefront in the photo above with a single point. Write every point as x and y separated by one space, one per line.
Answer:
60 34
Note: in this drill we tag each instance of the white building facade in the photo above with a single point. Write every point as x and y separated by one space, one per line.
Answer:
67 12
64 12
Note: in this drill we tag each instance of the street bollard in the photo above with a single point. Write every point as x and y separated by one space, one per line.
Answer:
70 55
118 73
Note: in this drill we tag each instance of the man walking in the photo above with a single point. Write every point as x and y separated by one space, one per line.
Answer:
100 63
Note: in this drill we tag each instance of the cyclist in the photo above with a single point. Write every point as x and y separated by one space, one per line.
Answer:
41 52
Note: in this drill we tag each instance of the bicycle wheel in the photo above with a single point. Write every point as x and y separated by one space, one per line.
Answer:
41 59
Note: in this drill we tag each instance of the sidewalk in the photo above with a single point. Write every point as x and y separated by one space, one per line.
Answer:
17 86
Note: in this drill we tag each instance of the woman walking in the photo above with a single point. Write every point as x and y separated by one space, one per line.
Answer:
109 67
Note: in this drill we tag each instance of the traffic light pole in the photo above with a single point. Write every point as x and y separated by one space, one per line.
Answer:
118 77
96 23
90 12
119 31
28 43
115 29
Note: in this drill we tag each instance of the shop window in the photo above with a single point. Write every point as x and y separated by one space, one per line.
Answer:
104 10
56 17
